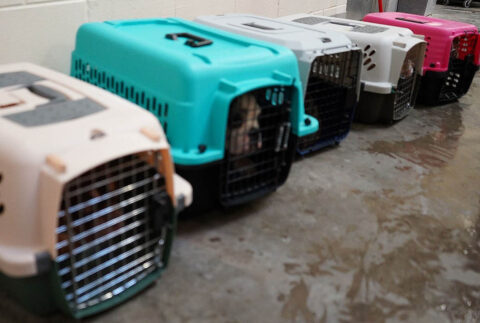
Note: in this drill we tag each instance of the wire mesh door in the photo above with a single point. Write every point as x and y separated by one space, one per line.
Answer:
258 149
109 236
407 86
331 85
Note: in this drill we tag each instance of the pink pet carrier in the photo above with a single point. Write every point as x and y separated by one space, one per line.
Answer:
452 57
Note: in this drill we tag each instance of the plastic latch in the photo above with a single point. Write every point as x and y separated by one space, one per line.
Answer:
282 77
227 86
43 262
180 203
56 163
283 137
161 209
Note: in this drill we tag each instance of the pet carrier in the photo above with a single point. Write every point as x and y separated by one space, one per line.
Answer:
452 56
329 70
231 106
391 66
87 193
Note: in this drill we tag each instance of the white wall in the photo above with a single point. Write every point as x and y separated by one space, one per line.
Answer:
43 31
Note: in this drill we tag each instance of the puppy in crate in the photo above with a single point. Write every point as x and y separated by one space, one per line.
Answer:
245 134
102 226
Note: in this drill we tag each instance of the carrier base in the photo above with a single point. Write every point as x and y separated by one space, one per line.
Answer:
334 135
32 293
375 108
42 295
434 90
388 108
207 182
206 189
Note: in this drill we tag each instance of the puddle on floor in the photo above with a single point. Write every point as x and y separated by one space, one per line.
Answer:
398 274
432 150
422 258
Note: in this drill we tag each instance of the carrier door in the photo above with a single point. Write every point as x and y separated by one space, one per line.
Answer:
258 144
114 229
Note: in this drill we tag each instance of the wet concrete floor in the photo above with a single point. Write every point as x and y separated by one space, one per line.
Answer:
384 228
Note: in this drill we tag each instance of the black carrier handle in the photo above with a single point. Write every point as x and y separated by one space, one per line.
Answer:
192 40
411 20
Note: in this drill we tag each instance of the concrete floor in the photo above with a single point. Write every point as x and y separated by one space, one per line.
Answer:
384 228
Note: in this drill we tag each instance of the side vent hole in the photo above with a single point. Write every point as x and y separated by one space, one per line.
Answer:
91 74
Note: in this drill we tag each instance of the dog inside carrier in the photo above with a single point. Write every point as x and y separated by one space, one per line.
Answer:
231 106
329 69
391 65
452 57
89 198
258 143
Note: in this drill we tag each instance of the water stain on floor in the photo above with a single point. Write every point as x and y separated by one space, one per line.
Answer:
296 303
432 150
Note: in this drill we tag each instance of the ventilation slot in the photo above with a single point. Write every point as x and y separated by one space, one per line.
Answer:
457 81
87 73
465 45
428 40
109 235
257 145
368 54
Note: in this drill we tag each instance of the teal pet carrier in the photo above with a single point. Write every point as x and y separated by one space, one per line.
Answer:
231 106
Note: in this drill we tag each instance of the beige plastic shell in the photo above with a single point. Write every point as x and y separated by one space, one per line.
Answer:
36 162
391 46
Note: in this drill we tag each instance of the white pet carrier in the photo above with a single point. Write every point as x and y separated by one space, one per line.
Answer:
391 67
329 67
87 193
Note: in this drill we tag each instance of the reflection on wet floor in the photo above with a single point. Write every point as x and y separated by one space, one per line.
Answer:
419 259
434 149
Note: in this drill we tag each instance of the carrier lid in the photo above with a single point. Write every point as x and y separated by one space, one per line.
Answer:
291 35
419 23
188 40
45 112
346 25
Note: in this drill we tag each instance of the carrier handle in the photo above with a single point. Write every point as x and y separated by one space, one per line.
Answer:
411 20
258 26
343 23
193 41
46 92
